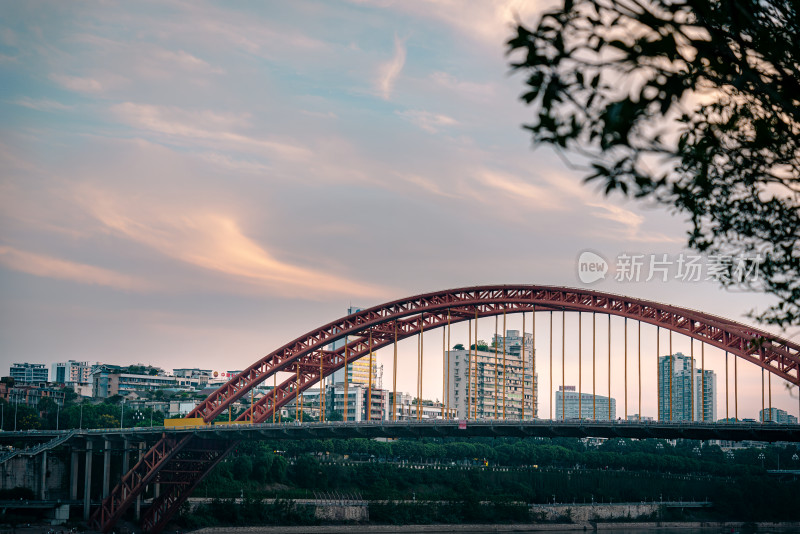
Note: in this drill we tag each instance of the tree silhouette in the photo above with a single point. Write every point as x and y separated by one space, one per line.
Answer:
694 104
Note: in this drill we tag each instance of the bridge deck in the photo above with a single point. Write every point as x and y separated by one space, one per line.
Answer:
769 432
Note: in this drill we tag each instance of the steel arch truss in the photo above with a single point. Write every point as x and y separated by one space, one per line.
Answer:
134 482
308 359
181 476
761 348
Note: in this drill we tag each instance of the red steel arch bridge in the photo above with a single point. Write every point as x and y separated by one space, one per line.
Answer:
179 461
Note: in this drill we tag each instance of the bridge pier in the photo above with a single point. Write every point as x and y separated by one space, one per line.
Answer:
126 443
138 505
74 469
106 467
43 477
87 482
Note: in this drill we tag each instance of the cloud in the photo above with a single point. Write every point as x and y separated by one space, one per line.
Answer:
50 267
389 71
234 164
489 21
470 89
78 84
186 61
430 122
428 185
631 223
214 128
534 196
8 37
214 241
41 104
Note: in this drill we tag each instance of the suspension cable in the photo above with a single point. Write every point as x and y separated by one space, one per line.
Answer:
580 374
496 339
522 400
563 364
394 376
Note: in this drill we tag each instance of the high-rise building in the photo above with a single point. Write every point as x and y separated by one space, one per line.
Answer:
481 376
692 391
358 372
333 401
776 415
71 372
569 404
28 373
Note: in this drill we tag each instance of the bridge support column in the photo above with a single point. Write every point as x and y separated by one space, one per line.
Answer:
125 456
43 477
138 506
87 482
106 468
73 475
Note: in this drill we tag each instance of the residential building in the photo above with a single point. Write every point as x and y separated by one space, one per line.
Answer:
333 401
635 417
193 378
776 415
28 373
571 405
693 392
495 384
193 372
109 380
32 394
406 409
71 372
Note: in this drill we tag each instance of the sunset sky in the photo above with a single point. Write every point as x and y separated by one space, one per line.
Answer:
194 184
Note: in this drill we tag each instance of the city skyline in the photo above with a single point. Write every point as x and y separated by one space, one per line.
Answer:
201 193
485 399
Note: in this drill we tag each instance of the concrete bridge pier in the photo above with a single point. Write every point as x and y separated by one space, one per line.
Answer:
43 477
87 482
126 444
106 468
138 506
74 470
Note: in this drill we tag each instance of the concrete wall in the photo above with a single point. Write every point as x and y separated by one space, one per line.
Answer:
337 512
590 512
26 472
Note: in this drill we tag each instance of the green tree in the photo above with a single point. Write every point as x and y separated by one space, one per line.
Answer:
692 103
27 418
47 405
482 345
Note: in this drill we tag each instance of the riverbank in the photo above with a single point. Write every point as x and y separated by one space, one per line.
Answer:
733 526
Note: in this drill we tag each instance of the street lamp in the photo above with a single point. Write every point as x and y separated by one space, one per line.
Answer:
761 457
121 412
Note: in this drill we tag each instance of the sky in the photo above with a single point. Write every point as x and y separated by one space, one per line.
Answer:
194 184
